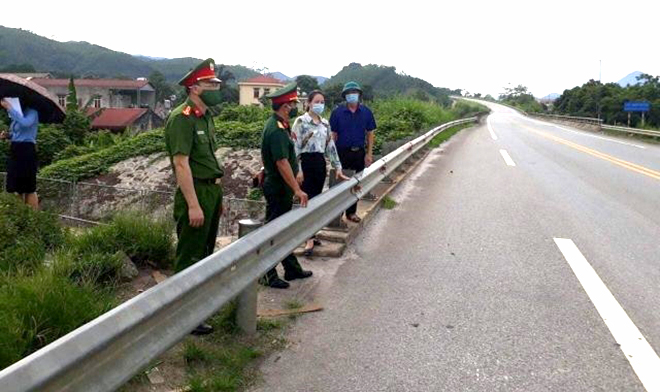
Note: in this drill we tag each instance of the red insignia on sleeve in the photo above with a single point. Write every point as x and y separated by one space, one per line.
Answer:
186 111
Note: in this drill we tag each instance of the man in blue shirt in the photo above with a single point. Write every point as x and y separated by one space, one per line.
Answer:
353 126
22 162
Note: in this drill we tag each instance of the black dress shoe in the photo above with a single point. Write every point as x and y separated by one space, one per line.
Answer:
302 274
202 329
275 283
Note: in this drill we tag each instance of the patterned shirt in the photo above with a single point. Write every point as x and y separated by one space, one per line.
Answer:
311 137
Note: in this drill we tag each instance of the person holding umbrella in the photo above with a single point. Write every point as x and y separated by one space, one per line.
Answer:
22 161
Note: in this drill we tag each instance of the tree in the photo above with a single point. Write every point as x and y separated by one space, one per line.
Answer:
163 89
19 68
72 98
76 123
225 74
333 95
307 83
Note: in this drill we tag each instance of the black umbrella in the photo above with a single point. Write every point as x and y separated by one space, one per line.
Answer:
33 96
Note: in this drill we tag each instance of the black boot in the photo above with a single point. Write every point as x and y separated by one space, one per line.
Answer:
202 329
272 280
297 274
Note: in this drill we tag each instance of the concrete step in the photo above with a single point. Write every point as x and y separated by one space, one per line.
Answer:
332 235
327 249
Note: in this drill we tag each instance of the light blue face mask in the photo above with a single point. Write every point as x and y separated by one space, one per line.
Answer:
318 108
352 98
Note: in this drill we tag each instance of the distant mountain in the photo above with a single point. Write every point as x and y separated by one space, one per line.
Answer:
149 57
385 81
83 59
280 76
284 78
550 97
630 79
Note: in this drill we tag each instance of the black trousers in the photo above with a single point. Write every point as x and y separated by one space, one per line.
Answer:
278 203
353 160
314 172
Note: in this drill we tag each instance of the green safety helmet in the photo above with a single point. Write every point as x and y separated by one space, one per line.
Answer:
350 86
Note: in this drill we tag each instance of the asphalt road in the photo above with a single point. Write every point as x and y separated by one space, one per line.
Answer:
491 277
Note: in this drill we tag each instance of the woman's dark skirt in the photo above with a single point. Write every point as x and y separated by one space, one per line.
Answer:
22 168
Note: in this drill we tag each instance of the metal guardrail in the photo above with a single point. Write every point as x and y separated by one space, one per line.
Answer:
587 120
599 122
637 131
105 353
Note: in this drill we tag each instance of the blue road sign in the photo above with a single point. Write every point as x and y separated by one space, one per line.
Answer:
636 106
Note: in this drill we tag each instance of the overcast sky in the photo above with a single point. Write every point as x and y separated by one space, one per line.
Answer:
480 46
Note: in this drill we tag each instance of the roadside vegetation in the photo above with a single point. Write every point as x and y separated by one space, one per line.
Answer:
594 99
521 98
241 127
53 280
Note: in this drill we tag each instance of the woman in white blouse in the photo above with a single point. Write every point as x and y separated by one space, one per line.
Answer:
313 142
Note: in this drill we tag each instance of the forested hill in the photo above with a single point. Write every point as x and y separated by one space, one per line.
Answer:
30 51
385 81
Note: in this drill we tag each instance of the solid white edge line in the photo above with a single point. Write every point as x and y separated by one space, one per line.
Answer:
490 129
507 158
635 347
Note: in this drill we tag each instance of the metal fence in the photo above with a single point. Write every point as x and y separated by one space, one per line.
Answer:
93 202
105 353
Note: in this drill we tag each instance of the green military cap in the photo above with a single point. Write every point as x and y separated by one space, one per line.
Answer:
350 86
204 71
286 94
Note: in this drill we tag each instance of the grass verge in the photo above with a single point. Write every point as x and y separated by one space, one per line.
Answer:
447 134
225 360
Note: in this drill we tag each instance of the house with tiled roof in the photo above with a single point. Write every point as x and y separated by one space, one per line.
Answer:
253 89
104 93
133 120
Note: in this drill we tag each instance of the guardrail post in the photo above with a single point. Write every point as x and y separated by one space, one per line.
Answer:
246 312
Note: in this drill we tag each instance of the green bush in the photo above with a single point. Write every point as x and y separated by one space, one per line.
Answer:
25 235
140 237
144 239
244 114
88 268
99 162
4 154
37 309
239 135
51 141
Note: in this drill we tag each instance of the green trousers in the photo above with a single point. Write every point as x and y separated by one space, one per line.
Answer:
196 243
279 203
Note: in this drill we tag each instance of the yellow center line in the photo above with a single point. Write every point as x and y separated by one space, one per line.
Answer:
617 161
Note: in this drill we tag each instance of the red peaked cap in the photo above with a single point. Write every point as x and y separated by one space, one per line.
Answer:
204 71
286 94
292 96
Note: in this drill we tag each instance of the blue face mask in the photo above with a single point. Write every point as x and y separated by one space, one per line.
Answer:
352 98
318 108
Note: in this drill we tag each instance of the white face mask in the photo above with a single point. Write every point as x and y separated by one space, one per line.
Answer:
352 98
318 108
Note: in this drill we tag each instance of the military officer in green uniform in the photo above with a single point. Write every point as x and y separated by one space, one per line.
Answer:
280 169
190 143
